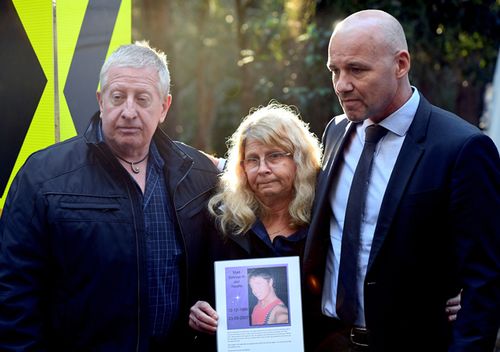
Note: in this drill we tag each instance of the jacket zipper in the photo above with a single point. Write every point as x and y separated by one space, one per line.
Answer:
134 219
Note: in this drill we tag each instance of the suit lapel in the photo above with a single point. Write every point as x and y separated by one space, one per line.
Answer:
407 161
338 136
318 235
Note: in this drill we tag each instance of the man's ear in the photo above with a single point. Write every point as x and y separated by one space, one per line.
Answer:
99 99
165 106
403 63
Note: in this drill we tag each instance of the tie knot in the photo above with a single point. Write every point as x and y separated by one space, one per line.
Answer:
374 133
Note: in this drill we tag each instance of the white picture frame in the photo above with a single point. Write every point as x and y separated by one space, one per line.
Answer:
235 301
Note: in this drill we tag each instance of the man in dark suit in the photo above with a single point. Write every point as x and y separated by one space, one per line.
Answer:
429 225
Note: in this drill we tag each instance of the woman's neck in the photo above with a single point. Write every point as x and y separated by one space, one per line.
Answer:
277 222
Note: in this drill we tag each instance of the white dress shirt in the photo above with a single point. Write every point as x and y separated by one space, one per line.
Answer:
384 160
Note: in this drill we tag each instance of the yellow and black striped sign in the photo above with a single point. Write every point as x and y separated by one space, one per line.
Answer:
51 54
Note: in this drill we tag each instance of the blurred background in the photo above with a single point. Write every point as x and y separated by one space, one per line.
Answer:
227 56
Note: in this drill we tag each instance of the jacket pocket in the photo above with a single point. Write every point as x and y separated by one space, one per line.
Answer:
90 206
75 207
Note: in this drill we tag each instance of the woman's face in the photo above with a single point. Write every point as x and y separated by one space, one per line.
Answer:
270 171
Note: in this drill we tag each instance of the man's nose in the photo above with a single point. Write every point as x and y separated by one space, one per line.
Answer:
342 83
129 108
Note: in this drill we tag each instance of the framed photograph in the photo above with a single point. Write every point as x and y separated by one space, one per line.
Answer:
259 305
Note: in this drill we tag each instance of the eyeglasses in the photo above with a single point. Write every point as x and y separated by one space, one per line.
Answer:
271 159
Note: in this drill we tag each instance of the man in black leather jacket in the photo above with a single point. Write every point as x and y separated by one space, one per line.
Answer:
104 237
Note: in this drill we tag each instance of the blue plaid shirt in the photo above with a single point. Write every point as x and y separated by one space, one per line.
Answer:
163 248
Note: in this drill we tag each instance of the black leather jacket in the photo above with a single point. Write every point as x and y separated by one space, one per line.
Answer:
72 260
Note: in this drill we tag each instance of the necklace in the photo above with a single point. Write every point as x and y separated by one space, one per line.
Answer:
276 232
133 164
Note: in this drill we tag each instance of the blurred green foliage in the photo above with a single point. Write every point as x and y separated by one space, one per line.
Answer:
227 56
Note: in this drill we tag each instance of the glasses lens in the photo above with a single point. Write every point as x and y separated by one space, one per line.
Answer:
275 158
271 159
251 163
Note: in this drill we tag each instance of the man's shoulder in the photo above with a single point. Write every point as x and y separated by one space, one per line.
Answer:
337 123
187 149
48 168
201 161
59 155
180 150
445 123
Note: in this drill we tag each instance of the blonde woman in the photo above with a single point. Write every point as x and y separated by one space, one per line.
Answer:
263 205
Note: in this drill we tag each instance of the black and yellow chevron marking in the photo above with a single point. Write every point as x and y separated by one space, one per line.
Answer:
51 54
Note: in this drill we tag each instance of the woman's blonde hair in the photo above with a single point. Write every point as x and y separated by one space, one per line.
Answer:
235 206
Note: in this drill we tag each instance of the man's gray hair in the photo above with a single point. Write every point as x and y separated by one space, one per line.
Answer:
139 55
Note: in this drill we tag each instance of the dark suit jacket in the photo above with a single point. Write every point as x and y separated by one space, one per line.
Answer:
437 232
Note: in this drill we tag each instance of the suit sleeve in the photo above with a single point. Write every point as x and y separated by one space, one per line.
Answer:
475 205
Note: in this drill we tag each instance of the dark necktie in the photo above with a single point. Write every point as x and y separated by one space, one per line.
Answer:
347 289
